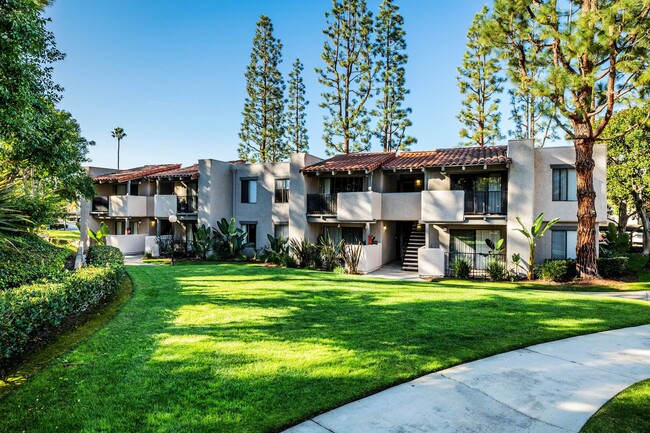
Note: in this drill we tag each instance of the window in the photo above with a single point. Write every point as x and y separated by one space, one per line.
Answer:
133 228
249 191
351 235
120 189
251 233
120 227
134 189
281 230
563 244
334 185
282 190
565 187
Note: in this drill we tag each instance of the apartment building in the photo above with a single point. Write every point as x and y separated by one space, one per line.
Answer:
424 209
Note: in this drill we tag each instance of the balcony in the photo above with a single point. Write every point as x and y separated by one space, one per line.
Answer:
486 202
187 204
127 206
99 205
442 206
321 204
358 206
401 206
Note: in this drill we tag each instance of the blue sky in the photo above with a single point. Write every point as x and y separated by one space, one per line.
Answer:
171 73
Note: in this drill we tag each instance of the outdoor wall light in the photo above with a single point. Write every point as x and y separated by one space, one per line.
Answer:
384 226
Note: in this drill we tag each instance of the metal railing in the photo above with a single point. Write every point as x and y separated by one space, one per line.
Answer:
100 205
321 204
486 202
477 262
188 203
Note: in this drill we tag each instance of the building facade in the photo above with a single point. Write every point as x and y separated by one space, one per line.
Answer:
425 209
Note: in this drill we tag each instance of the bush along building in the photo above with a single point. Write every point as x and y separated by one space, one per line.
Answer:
425 209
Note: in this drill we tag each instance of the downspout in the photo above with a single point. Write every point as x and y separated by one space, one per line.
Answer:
233 170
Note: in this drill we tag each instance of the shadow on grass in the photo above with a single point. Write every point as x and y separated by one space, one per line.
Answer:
245 348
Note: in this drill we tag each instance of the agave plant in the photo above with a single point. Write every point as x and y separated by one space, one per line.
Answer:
12 221
533 234
100 235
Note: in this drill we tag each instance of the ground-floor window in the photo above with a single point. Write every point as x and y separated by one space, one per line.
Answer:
251 233
471 245
281 230
120 227
563 244
133 228
351 235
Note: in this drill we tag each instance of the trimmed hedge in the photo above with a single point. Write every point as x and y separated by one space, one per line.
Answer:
32 259
30 311
104 255
565 270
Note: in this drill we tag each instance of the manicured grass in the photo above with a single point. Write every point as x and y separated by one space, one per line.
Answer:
248 348
627 412
635 264
66 235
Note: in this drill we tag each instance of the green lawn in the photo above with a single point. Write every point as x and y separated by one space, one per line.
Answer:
247 348
66 235
627 412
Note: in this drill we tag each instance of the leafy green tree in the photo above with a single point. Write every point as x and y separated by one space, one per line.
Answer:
480 82
628 164
533 234
389 53
119 134
263 126
347 77
41 147
599 53
296 115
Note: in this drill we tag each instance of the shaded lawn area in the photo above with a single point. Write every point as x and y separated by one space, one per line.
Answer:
66 235
248 348
627 412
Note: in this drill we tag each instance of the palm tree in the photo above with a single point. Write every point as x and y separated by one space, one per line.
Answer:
119 134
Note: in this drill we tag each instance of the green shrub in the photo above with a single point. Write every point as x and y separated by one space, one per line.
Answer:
612 267
462 268
31 311
103 255
558 270
496 270
31 258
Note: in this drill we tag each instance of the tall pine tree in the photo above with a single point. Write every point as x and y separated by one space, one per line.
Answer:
296 125
347 76
390 57
263 127
480 82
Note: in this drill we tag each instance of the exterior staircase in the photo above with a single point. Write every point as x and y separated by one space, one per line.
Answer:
416 240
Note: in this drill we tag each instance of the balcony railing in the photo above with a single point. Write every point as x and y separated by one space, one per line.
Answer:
477 261
100 205
188 203
486 202
321 204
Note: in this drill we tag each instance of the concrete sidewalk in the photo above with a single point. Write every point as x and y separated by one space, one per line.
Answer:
551 387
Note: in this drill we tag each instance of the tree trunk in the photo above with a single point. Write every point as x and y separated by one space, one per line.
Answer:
118 153
586 248
622 217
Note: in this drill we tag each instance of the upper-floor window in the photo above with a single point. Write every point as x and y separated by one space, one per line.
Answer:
334 185
282 190
249 191
120 189
563 244
565 187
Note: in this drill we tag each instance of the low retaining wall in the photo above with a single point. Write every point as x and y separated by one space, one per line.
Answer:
128 244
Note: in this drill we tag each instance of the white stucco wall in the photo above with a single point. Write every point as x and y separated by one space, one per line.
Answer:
358 206
567 211
401 206
370 259
127 206
443 206
431 262
128 244
165 205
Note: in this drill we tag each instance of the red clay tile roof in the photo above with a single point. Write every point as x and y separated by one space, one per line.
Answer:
352 162
191 171
459 156
135 173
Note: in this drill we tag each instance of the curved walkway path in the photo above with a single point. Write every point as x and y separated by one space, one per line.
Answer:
550 387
